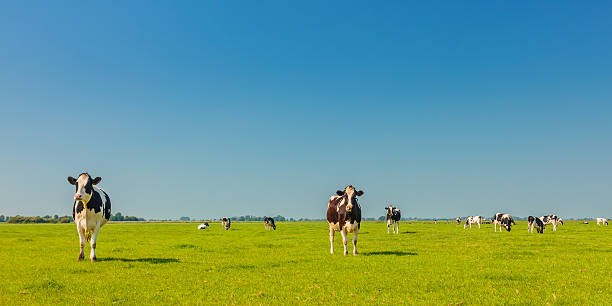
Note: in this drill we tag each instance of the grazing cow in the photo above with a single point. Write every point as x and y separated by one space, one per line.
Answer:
269 222
537 222
225 223
603 221
504 220
203 225
550 219
393 218
91 210
458 220
472 220
344 215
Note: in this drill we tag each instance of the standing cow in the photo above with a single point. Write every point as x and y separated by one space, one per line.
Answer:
91 210
393 218
537 222
603 221
344 215
504 220
269 223
226 223
472 220
458 220
551 219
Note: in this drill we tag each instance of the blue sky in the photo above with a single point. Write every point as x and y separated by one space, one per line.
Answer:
207 109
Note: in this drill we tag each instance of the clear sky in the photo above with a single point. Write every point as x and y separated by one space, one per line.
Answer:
208 109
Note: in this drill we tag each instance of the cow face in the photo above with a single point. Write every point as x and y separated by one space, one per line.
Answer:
507 224
350 196
84 186
389 210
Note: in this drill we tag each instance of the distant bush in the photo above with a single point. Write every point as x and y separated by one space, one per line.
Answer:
119 217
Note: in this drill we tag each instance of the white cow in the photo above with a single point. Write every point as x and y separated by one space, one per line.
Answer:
472 220
603 221
91 210
203 225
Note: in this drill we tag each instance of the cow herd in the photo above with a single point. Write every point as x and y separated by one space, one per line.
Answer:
92 209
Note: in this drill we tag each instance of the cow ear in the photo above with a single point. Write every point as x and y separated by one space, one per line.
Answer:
96 180
71 180
340 192
360 192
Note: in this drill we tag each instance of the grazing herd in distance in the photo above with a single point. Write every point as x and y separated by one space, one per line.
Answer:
92 209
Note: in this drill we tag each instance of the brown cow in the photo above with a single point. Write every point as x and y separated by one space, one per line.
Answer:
344 215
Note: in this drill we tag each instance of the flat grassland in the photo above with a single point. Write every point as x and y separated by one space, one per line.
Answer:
169 263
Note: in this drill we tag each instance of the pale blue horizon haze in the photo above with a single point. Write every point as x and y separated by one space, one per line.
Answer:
226 108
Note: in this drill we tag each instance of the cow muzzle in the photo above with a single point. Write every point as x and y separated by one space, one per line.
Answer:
78 197
349 208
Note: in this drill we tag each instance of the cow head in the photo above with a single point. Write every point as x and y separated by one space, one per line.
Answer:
350 196
507 223
389 210
84 186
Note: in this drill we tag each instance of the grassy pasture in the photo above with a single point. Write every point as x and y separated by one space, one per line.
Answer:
166 263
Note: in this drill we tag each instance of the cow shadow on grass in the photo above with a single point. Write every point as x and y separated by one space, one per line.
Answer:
408 232
145 260
396 253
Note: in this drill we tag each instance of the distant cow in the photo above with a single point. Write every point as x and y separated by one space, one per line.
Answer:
393 218
203 225
472 220
91 210
537 222
458 220
269 222
344 215
603 221
551 219
226 223
504 220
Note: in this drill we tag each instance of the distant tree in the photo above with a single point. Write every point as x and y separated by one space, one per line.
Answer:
184 219
64 220
382 218
56 217
2 218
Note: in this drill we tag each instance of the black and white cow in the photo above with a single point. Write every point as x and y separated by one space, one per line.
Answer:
603 221
393 218
203 225
458 220
269 222
504 220
226 223
344 215
91 210
537 222
472 220
551 219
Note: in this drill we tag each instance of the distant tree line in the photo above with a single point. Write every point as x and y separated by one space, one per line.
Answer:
119 217
37 219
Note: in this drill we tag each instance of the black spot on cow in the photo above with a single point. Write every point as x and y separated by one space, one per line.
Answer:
95 203
78 207
107 207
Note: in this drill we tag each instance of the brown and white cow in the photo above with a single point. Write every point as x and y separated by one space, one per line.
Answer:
91 210
226 223
344 215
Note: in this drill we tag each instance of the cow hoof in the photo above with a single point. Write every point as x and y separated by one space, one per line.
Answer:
93 259
81 257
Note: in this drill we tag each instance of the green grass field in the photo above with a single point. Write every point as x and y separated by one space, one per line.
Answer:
166 263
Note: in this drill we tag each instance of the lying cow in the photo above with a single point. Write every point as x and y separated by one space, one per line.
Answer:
269 223
551 219
603 221
472 220
537 222
203 225
226 223
91 210
344 215
393 218
504 220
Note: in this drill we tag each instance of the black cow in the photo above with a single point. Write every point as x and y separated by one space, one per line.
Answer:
269 223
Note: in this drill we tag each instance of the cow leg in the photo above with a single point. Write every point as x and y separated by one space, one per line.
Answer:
331 240
344 238
82 243
478 225
397 228
389 228
355 242
94 238
555 227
